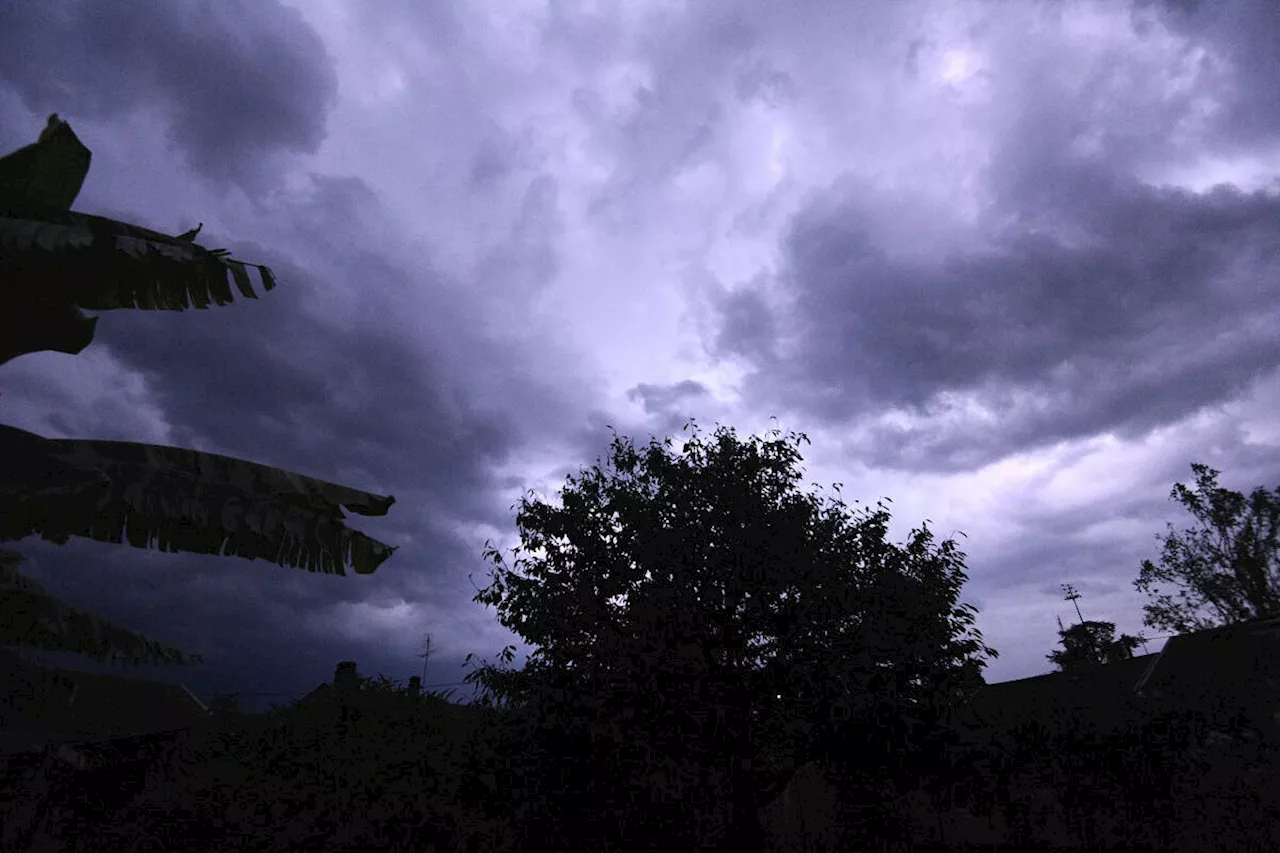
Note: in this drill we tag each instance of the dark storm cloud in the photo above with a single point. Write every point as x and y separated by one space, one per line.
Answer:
325 391
1166 306
272 383
1098 303
237 82
747 324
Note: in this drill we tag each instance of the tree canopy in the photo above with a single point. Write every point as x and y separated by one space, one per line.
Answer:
1228 564
1091 643
699 606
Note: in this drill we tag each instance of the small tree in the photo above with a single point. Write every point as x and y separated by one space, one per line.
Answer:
1228 564
702 626
1092 643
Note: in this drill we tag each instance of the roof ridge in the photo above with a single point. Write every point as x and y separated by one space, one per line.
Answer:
80 673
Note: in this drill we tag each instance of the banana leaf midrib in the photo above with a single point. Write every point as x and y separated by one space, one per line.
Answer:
215 467
106 224
204 466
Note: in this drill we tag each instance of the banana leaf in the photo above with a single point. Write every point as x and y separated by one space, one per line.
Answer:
178 500
55 262
31 616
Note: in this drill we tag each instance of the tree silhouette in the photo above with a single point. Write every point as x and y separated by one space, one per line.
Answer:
702 628
1227 564
1091 643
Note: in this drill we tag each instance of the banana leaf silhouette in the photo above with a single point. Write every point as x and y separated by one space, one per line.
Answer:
54 263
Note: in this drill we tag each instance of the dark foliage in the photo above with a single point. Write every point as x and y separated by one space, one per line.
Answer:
703 628
1090 644
1229 564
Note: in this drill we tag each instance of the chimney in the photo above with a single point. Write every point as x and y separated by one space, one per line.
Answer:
415 686
344 677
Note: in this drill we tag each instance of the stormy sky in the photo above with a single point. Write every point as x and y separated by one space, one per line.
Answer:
1012 265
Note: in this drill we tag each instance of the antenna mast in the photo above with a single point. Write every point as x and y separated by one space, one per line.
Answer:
1071 595
425 655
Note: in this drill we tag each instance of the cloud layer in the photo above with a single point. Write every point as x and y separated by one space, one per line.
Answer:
1013 266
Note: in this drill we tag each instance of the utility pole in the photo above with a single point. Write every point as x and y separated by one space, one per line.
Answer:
1072 595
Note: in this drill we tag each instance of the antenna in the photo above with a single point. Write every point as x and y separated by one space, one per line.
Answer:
1071 595
425 656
